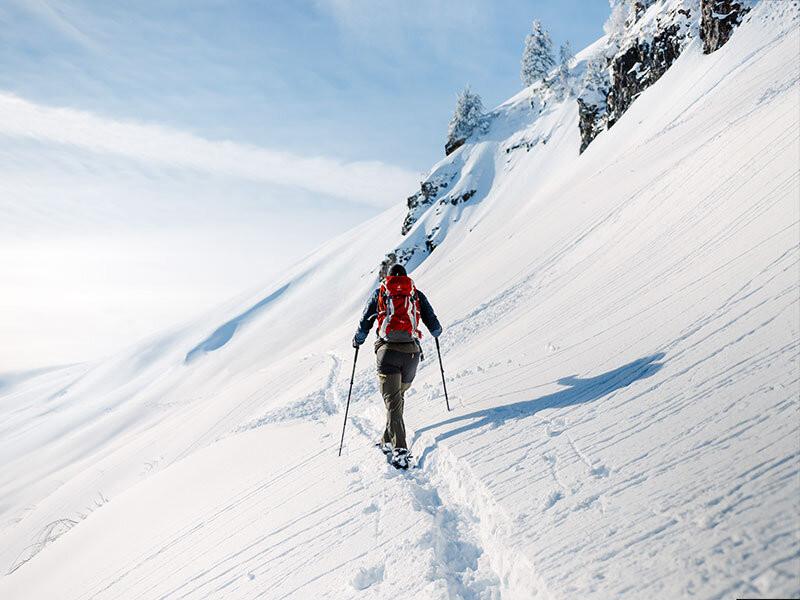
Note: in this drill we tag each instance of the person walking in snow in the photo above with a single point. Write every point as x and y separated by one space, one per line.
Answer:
398 307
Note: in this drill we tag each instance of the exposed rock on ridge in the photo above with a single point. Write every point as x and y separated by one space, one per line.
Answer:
453 145
648 47
590 121
641 65
718 20
417 203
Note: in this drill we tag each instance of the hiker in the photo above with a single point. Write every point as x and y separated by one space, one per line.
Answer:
398 306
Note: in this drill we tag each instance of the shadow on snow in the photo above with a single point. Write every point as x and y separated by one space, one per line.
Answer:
223 334
579 391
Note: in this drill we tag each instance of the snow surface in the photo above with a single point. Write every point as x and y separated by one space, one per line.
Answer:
621 346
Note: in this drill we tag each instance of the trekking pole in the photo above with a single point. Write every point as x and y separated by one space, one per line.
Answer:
441 368
347 408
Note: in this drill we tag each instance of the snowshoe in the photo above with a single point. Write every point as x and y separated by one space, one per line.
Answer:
401 458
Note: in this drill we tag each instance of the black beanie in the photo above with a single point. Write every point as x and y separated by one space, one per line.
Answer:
397 270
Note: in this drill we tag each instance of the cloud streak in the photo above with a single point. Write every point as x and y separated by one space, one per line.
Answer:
55 18
367 182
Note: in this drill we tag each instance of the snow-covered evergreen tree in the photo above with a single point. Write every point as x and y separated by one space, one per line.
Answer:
595 82
537 58
621 15
466 118
565 54
565 58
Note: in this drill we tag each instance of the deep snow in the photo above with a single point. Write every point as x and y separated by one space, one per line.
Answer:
621 346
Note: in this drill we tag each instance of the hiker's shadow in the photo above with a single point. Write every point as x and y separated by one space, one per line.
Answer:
580 391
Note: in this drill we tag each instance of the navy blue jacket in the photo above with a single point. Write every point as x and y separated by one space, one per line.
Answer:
371 313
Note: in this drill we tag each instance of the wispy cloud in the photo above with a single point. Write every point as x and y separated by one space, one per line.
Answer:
368 182
110 231
430 16
404 31
54 15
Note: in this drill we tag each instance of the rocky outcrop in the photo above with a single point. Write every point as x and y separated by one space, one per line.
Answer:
400 256
453 145
639 66
590 122
459 198
430 191
718 19
430 240
428 194
417 203
593 100
642 52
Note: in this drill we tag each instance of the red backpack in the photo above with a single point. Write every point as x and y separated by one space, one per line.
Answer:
398 310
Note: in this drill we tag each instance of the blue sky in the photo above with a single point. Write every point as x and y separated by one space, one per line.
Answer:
358 79
160 157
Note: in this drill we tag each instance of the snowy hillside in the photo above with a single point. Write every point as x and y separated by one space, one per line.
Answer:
622 331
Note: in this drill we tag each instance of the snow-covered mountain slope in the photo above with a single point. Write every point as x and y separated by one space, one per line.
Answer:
621 345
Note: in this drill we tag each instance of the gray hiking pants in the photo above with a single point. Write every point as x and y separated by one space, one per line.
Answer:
396 371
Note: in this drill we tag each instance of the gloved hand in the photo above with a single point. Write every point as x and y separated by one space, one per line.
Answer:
359 339
436 332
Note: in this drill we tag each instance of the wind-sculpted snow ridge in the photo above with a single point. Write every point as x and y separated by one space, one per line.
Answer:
621 348
223 334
